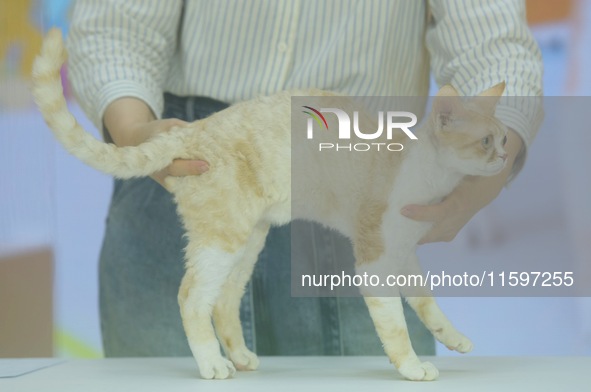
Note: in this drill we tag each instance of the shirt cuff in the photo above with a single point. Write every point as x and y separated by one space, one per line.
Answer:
524 124
125 88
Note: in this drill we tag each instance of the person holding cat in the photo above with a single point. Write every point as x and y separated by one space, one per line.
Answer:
142 67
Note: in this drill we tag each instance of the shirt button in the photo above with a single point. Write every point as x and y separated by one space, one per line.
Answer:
282 47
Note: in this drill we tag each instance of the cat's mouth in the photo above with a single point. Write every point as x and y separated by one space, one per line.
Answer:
495 167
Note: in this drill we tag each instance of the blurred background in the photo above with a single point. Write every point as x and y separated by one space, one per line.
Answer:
52 209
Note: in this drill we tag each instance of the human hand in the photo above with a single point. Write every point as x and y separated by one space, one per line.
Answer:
130 122
143 131
450 215
474 193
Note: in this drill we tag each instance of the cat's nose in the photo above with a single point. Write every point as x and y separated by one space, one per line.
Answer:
503 157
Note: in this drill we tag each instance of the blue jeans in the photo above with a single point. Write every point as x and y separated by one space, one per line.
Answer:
141 266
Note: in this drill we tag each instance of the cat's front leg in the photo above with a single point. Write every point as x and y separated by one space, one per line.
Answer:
388 317
439 325
421 300
376 257
385 308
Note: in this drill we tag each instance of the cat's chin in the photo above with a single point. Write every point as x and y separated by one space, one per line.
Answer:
483 172
490 170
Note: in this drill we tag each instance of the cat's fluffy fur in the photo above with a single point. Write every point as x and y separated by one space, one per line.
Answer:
228 210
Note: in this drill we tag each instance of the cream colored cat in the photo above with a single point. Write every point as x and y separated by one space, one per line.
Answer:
228 210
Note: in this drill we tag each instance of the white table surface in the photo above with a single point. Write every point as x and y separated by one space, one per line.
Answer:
284 374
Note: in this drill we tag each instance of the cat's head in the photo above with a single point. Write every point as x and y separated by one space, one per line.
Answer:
468 136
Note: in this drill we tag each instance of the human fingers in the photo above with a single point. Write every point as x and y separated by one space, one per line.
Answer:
187 167
426 213
180 168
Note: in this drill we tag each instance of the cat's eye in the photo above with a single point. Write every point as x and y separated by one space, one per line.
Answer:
486 142
504 140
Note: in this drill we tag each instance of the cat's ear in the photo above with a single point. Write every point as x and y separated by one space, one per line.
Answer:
488 99
447 105
495 91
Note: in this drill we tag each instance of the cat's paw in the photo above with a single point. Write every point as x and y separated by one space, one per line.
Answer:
216 368
419 371
455 341
464 345
244 359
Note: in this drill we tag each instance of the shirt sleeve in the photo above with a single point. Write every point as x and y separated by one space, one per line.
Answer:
121 48
475 44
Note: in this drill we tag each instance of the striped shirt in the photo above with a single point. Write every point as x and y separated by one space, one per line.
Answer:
233 50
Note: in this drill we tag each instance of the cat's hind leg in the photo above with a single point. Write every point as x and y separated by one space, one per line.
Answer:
207 270
226 313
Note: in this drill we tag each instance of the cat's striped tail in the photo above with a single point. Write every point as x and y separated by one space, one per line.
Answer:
121 162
